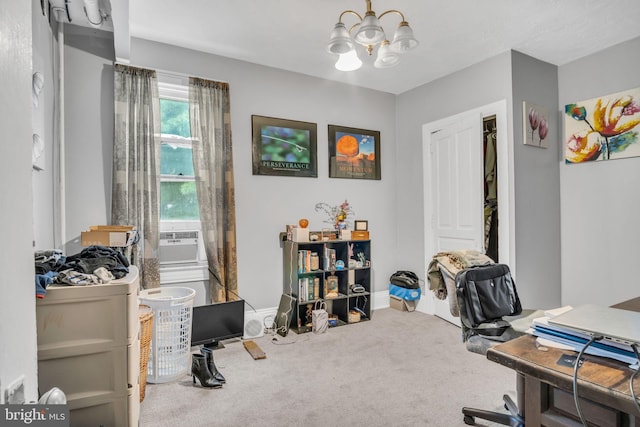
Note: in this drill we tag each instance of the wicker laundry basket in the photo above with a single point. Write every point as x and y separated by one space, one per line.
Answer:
146 328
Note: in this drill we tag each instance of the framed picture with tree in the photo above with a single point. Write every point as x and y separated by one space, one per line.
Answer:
354 153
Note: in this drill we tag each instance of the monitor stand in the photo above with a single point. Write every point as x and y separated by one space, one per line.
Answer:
216 345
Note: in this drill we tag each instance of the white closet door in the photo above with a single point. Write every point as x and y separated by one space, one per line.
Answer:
457 190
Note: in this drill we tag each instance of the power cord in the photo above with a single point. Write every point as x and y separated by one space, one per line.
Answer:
278 341
218 282
285 327
576 366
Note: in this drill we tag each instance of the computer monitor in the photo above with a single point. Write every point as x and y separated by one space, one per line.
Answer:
213 323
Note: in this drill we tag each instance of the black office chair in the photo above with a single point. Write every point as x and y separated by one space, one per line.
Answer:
486 300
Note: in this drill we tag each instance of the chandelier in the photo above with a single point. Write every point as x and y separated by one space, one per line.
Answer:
369 33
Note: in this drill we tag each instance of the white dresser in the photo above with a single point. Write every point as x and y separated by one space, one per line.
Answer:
89 347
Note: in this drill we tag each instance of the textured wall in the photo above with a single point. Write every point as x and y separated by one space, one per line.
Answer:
601 200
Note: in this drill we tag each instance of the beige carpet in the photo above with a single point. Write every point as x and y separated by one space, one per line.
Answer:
399 369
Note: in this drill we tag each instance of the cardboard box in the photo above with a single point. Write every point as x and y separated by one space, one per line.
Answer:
345 234
402 305
300 234
359 235
108 235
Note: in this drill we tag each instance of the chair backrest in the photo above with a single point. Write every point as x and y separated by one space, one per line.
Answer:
486 294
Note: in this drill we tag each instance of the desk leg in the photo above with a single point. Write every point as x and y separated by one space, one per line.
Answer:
536 400
520 394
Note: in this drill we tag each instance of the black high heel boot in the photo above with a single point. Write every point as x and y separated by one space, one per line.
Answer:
208 354
200 370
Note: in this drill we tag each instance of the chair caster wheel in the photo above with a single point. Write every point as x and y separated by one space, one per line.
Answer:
469 420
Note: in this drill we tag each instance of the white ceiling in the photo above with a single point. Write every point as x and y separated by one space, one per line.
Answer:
453 34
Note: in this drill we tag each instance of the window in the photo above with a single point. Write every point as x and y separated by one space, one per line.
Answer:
178 199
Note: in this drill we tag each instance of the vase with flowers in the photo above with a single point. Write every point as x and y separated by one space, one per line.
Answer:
339 215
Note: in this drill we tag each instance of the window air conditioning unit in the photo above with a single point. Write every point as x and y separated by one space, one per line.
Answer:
178 247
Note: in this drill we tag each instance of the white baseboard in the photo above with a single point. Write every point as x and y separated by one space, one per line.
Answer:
379 300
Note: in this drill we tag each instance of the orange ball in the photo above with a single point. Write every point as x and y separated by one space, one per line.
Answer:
303 222
347 145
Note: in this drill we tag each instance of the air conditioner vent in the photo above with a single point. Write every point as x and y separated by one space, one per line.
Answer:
178 247
175 235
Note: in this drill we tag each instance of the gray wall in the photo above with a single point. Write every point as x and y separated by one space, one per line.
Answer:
512 77
88 102
598 227
17 317
265 204
537 187
481 84
601 200
394 206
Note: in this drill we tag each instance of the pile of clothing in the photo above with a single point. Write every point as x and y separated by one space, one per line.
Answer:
93 265
442 271
453 262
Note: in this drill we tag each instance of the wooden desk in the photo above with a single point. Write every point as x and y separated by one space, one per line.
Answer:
603 384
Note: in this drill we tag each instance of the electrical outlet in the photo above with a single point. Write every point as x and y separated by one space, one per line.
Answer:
14 394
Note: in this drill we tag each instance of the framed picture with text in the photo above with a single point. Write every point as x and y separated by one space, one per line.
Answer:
354 153
284 147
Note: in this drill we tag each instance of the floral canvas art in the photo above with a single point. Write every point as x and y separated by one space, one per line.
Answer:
603 128
535 124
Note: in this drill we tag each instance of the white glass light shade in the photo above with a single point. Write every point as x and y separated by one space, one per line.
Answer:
348 61
55 396
403 39
386 57
340 42
370 32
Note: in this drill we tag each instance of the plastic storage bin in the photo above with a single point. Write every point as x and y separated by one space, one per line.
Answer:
170 355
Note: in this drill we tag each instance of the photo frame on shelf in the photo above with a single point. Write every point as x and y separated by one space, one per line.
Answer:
354 153
284 147
360 225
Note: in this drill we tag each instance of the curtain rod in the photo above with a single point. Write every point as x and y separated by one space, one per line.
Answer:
171 74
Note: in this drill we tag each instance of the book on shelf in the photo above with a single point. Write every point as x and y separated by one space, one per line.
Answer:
329 259
302 291
304 261
308 288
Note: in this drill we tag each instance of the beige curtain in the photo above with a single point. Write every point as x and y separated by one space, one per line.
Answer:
213 164
136 164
